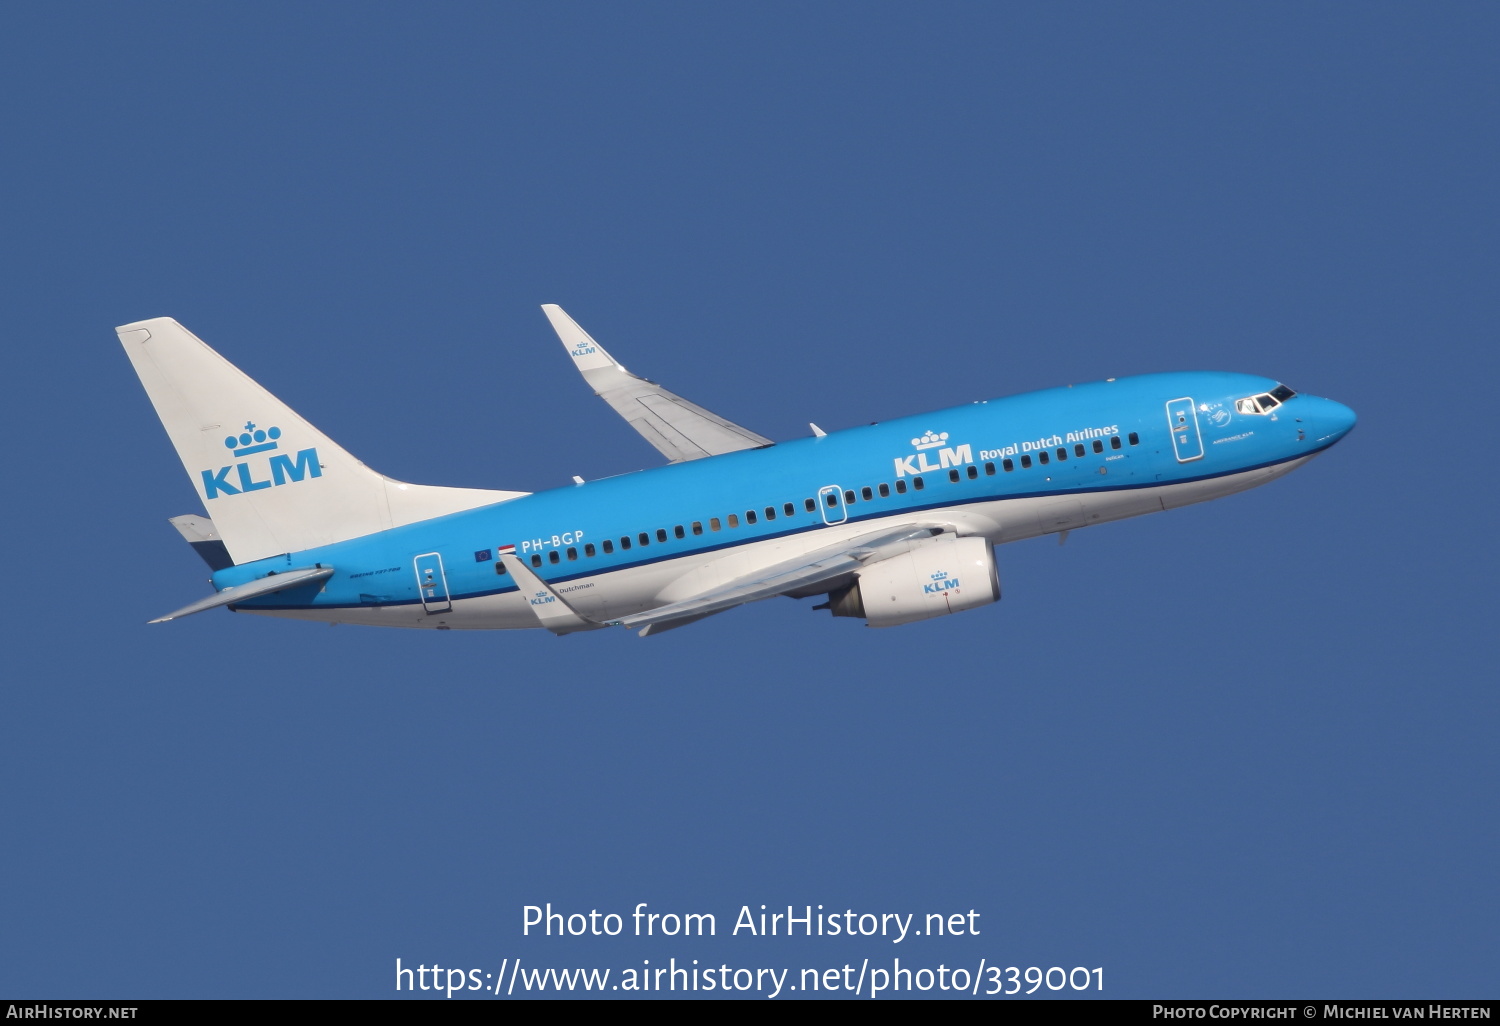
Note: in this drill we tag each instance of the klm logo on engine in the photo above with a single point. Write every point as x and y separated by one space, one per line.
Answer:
274 470
918 463
939 583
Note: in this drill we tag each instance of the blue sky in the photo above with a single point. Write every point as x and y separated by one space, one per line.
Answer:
1241 749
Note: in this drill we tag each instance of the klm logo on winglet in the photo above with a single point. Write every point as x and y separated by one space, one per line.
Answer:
282 469
917 462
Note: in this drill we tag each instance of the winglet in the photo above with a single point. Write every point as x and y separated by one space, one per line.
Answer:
676 428
587 354
550 609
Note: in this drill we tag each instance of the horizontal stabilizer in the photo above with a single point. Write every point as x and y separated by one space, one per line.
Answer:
798 574
255 589
200 533
678 429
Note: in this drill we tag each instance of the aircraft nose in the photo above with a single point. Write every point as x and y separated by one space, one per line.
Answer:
1330 421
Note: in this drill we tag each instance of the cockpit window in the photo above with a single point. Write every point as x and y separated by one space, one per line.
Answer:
1265 402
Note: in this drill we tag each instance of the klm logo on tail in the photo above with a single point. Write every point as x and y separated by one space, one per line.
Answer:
282 469
917 463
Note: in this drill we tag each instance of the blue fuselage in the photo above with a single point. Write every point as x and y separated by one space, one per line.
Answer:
1077 453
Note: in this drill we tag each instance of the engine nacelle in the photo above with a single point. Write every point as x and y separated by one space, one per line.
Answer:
938 577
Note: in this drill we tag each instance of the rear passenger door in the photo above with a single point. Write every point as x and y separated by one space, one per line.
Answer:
432 583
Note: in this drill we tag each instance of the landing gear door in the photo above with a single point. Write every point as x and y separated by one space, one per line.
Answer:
831 503
1187 440
432 583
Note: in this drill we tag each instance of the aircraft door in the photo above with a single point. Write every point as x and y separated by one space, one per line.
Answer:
432 583
831 505
1182 421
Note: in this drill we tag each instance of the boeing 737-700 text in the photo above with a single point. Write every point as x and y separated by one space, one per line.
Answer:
894 522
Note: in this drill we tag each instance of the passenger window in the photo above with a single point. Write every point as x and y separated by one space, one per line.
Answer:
973 472
916 483
848 498
812 507
866 493
885 491
749 516
989 469
1007 465
1098 445
625 543
609 547
789 509
553 557
645 538
734 520
831 499
1135 439
770 512
1114 441
1043 458
900 487
713 523
679 532
661 534
1062 453
953 476
1078 449
536 560
588 550
697 527
1026 462
572 553
499 567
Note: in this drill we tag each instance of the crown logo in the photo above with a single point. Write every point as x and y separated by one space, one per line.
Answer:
941 575
252 440
930 440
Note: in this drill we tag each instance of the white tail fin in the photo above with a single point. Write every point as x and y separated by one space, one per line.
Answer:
271 481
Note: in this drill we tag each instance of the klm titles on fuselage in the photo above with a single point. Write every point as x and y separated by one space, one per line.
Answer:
918 462
282 469
948 456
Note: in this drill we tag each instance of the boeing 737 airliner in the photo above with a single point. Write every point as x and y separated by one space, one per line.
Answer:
893 523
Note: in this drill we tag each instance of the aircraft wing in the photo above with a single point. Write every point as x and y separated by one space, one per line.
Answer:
816 567
679 430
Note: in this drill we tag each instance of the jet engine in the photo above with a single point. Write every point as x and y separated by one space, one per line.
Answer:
938 577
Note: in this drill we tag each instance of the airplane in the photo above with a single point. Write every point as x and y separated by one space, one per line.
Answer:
891 523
